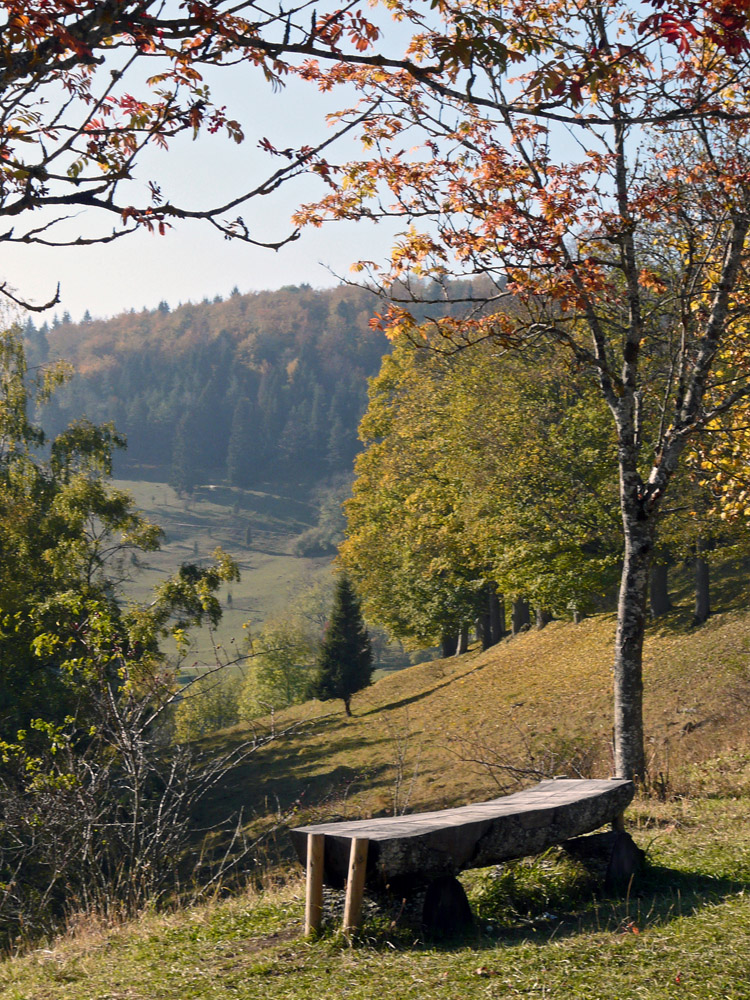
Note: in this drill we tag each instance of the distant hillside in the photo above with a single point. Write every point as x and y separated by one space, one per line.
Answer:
271 384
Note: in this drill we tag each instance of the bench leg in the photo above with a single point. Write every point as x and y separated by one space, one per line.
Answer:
355 883
618 823
314 896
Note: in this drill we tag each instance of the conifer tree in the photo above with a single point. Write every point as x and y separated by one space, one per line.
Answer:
345 660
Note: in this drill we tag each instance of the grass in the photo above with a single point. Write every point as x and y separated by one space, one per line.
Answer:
683 931
444 733
220 515
448 732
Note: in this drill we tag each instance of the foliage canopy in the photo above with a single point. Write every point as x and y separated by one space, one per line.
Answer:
481 467
590 161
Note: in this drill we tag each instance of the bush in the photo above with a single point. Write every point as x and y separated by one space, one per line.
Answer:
97 819
280 669
315 542
210 703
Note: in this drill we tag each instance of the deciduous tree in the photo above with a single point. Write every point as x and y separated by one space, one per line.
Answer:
592 161
480 467
280 667
87 87
65 535
408 546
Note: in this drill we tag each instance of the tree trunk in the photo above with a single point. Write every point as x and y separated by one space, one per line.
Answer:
448 645
702 593
520 617
630 758
491 623
659 601
347 706
497 615
463 640
542 618
640 500
484 630
483 623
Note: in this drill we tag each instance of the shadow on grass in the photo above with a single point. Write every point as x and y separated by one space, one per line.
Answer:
293 776
659 896
426 693
403 702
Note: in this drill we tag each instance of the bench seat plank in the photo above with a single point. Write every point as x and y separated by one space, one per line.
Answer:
448 841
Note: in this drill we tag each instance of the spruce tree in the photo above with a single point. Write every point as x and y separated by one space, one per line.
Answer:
345 659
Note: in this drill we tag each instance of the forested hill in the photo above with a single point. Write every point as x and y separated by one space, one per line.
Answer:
257 386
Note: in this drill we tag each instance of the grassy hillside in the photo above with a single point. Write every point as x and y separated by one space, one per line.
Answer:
685 933
443 733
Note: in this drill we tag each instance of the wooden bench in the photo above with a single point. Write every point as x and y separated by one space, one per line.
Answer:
398 850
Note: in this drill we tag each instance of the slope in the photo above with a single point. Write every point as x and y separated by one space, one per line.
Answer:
446 732
684 930
264 385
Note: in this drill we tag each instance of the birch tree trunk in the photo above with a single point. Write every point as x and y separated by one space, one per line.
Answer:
640 500
630 758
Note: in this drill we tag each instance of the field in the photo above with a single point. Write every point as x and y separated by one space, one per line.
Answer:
685 932
444 733
221 516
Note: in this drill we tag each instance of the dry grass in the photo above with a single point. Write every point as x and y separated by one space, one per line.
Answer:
446 732
544 697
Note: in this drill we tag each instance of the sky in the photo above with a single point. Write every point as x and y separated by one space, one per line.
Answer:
193 261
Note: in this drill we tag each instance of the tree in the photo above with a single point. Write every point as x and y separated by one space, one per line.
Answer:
480 470
345 661
96 806
77 115
280 669
65 537
184 474
241 444
209 704
529 438
628 246
408 547
63 529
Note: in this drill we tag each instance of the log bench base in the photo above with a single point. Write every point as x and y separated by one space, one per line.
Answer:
396 851
613 857
445 910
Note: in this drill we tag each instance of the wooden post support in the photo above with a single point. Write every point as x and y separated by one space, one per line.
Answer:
618 823
314 897
355 883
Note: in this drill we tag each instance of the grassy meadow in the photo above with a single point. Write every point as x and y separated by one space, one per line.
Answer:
441 734
221 516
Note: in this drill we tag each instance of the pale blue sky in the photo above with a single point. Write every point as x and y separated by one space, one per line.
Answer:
193 261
